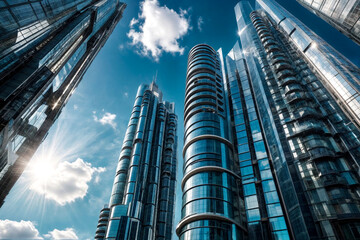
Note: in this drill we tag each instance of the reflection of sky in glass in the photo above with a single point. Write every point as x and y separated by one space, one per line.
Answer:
110 84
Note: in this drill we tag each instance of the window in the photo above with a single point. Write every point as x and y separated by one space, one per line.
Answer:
249 189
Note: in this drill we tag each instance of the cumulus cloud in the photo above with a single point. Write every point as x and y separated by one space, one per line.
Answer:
200 22
68 233
67 182
18 230
107 118
159 29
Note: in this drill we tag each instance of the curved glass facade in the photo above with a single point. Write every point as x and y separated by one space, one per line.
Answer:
103 222
142 198
212 207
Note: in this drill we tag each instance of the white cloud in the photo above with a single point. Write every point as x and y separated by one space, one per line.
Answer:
68 233
126 94
107 118
200 22
66 182
76 107
18 230
160 28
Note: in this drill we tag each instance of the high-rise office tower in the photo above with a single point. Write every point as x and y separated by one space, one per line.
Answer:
45 49
307 99
142 199
263 203
212 207
344 15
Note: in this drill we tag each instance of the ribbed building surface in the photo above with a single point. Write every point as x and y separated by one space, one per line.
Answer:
344 15
45 48
212 207
307 97
143 194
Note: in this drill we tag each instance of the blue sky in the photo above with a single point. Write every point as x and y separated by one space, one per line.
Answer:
80 153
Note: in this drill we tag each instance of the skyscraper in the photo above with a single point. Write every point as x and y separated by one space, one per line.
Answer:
307 98
272 143
212 207
45 49
263 201
342 14
142 199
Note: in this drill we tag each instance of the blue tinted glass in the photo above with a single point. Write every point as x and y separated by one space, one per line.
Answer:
263 164
245 163
277 223
271 197
243 148
253 215
244 156
268 186
281 235
249 189
246 171
260 150
266 174
274 210
255 127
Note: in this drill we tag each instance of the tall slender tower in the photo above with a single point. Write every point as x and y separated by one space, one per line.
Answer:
212 207
307 99
264 204
344 15
142 199
45 49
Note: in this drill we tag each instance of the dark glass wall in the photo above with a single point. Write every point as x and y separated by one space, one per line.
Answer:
143 194
45 48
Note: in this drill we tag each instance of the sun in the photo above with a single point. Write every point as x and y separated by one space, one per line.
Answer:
42 169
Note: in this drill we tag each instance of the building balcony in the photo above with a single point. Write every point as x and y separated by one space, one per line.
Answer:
332 179
289 80
296 96
321 153
285 73
281 66
305 112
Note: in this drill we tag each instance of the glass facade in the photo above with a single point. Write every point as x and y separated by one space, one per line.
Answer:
310 139
264 207
212 207
142 198
344 15
45 48
337 73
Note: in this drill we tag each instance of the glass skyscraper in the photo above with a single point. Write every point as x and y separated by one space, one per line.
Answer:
212 207
142 199
344 15
272 140
307 98
45 49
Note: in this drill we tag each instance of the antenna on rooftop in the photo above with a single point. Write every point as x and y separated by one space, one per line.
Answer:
155 78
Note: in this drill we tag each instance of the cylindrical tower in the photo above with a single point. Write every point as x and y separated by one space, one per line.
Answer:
211 205
103 222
